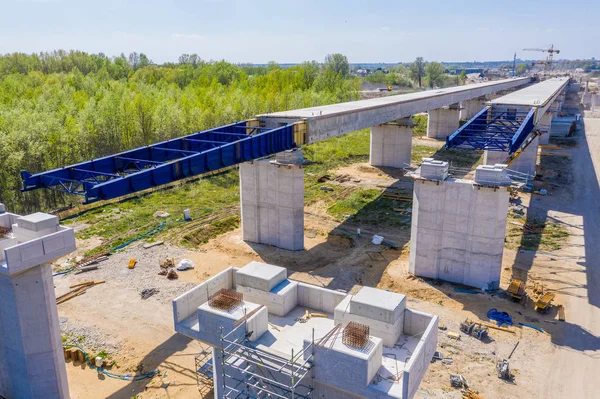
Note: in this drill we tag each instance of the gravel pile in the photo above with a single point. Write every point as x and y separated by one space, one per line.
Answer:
90 339
145 274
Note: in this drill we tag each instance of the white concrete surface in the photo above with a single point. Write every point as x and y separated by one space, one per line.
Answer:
272 204
261 276
278 330
493 175
433 169
391 145
536 95
442 122
544 126
31 357
458 231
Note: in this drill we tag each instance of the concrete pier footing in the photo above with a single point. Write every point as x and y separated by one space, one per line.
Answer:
272 202
31 357
442 122
391 144
458 226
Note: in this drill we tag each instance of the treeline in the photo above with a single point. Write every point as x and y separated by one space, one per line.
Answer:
62 108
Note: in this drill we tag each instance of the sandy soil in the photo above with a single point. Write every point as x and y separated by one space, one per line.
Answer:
560 363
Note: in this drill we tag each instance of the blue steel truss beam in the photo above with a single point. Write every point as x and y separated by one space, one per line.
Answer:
162 163
501 131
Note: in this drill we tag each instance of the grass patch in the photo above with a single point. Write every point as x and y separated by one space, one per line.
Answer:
369 208
420 128
538 234
459 158
421 151
202 234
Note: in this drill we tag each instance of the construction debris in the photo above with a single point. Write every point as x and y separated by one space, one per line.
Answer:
132 263
153 244
161 214
78 289
458 381
148 292
453 335
503 369
468 394
474 329
185 264
172 274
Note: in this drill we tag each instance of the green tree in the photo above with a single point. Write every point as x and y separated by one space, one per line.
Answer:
521 69
435 73
338 63
416 71
463 76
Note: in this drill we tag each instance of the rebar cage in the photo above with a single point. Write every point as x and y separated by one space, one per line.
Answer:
226 299
356 335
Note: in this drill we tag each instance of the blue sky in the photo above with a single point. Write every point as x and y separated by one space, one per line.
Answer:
295 31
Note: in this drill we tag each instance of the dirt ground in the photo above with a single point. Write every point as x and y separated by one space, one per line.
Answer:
559 363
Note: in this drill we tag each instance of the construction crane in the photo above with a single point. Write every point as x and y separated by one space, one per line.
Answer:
549 59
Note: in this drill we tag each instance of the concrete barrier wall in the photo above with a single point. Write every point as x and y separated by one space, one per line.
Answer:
421 357
186 304
278 303
319 298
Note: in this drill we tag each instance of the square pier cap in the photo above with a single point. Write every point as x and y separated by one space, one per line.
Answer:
37 221
260 276
494 175
432 169
378 304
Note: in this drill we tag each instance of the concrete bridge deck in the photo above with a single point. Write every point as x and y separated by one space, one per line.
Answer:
334 120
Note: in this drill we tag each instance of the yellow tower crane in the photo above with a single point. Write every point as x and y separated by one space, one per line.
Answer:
549 59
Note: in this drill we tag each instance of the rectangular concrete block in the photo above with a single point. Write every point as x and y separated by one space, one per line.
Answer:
279 301
261 276
432 169
38 221
378 304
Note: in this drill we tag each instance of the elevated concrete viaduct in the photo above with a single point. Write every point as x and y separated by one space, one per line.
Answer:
458 226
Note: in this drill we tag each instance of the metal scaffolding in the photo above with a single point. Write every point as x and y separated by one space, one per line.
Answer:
491 130
263 372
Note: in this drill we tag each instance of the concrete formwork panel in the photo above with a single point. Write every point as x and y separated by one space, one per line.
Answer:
442 122
319 298
391 145
458 231
272 202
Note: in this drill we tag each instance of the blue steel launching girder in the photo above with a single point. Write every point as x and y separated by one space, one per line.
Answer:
162 163
493 131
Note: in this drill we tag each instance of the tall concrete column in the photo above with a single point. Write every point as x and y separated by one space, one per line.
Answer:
442 122
470 108
526 162
458 226
32 364
391 144
272 201
544 127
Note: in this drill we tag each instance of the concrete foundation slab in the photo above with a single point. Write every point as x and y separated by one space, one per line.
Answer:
377 304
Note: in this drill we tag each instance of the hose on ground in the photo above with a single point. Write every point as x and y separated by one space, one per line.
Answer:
499 317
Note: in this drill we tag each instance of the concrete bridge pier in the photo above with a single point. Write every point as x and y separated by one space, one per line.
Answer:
391 144
272 201
471 107
458 226
526 162
442 122
32 363
544 125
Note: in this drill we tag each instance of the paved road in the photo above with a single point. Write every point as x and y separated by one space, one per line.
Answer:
575 373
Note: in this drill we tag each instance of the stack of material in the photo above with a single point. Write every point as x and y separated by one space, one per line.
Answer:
76 290
293 157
